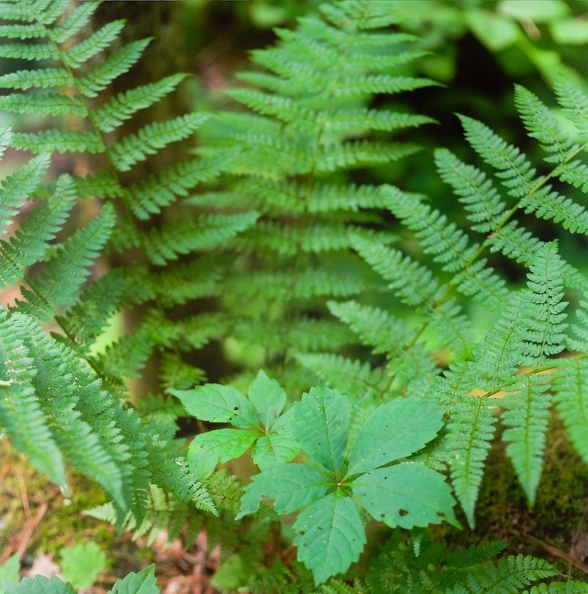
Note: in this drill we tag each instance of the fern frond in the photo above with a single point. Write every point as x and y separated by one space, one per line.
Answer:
60 140
80 53
413 283
544 319
103 73
42 78
67 267
574 103
19 187
134 148
571 400
150 196
474 189
542 125
28 244
26 31
450 246
21 414
32 52
95 450
203 233
74 22
116 110
346 375
470 432
526 418
508 575
519 177
374 326
43 103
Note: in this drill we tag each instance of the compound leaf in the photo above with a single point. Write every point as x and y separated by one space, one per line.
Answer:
268 398
215 447
143 582
218 404
405 495
394 430
330 536
291 486
321 425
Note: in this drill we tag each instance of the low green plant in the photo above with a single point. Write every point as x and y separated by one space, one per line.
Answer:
345 286
82 563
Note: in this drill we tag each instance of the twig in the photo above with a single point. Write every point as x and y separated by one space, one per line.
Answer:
559 553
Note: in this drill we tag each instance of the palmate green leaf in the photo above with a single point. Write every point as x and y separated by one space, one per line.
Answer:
277 446
217 447
291 486
218 404
40 585
143 582
329 536
268 398
394 430
321 426
406 495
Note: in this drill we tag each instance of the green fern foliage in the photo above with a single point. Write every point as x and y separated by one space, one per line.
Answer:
309 124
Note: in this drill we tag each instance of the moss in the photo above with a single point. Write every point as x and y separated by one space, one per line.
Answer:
503 513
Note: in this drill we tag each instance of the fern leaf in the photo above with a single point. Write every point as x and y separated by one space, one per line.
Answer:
28 244
43 103
80 53
76 433
344 374
374 326
103 73
571 399
19 187
59 140
21 415
526 418
116 110
574 103
40 78
542 125
414 284
153 194
26 31
87 318
508 575
134 148
67 268
544 320
73 22
450 246
204 233
474 189
48 12
471 429
33 52
518 175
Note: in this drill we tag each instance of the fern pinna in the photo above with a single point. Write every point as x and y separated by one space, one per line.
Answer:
530 326
311 125
65 395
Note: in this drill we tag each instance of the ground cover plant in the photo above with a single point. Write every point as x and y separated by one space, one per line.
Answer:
361 382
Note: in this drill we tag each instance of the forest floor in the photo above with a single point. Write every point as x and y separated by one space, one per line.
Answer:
37 521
